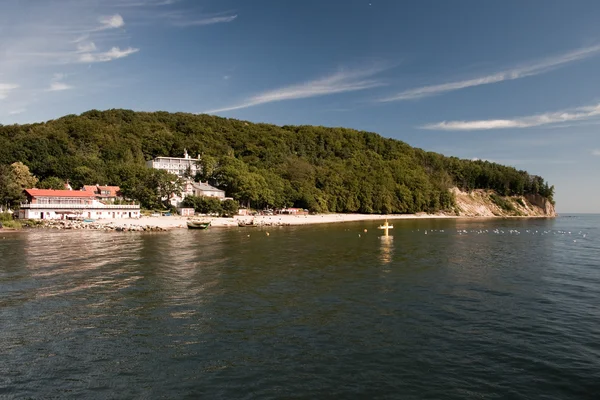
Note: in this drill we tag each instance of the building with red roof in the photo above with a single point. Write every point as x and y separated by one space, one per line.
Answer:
62 204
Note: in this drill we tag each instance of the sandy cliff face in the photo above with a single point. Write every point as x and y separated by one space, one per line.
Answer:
486 203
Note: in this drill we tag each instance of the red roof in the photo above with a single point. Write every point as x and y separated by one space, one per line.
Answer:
89 188
113 190
58 193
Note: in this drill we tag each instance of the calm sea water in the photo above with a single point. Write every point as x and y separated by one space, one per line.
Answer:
495 309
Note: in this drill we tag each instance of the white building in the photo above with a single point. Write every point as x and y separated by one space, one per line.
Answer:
199 189
175 165
204 189
64 204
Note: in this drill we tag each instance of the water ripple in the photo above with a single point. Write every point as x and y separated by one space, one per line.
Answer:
474 309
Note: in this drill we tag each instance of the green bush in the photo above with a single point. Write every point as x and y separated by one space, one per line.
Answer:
203 204
6 217
501 202
229 207
12 224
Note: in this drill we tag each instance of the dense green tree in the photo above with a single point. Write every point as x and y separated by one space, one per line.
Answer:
52 182
152 188
204 204
229 208
261 165
14 179
167 185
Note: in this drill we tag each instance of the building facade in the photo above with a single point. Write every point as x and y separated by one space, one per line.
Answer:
199 189
204 189
70 204
175 165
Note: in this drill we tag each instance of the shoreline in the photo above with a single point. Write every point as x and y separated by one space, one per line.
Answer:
163 223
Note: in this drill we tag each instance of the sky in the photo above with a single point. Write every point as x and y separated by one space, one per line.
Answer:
511 82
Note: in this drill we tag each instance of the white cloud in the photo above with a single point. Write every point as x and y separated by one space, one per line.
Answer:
340 82
17 111
81 38
577 114
6 88
59 86
56 85
146 3
205 21
596 152
511 74
112 54
86 47
111 22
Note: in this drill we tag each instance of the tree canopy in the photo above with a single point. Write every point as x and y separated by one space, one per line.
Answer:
14 179
312 167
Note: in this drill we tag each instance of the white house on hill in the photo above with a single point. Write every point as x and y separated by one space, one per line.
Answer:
204 189
175 165
191 188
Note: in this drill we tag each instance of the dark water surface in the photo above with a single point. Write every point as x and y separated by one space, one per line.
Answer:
444 310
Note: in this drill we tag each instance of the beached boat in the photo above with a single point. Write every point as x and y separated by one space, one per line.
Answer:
247 224
197 225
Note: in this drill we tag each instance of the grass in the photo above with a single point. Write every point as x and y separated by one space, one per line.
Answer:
12 224
9 223
5 217
503 203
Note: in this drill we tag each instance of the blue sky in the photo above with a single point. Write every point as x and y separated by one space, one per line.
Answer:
513 82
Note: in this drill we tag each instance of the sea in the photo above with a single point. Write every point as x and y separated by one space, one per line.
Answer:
439 309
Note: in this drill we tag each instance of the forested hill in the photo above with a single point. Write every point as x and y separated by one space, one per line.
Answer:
322 169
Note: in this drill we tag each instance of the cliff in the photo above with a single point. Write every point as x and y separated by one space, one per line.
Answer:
487 203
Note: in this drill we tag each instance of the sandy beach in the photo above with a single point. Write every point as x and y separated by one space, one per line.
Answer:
173 222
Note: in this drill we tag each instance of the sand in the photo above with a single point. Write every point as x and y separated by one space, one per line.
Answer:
275 220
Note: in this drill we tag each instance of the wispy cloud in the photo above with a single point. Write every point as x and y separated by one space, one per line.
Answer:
6 88
576 114
596 152
112 54
57 84
111 22
145 3
204 21
38 40
17 111
339 82
531 69
86 47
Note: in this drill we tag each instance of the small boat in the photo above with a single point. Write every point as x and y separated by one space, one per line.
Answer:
197 225
250 224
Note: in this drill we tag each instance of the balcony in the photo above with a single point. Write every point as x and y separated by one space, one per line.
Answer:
79 207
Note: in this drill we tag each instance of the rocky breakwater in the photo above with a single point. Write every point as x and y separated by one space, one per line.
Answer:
99 226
